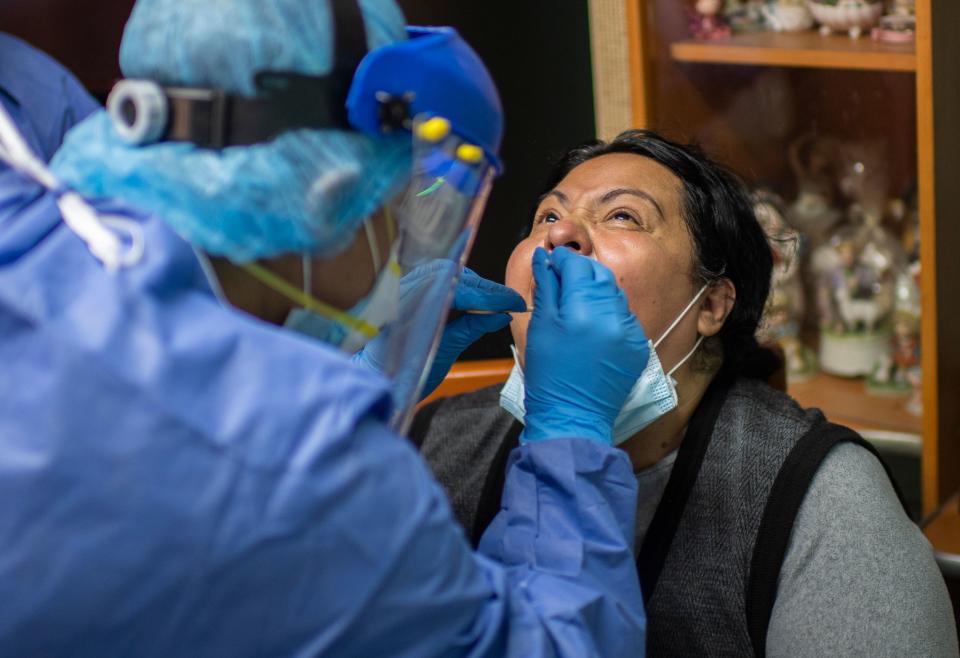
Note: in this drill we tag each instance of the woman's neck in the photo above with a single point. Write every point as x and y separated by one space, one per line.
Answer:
663 436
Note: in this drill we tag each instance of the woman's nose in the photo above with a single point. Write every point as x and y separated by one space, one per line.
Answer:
571 234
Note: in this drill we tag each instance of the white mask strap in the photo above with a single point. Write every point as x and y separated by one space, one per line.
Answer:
374 248
516 357
211 275
686 358
306 266
683 313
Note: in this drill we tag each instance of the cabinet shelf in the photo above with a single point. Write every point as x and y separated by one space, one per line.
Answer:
845 402
799 49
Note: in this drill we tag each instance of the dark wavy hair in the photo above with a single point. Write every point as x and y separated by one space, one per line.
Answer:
728 240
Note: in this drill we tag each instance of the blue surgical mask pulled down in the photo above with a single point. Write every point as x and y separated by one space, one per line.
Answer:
654 394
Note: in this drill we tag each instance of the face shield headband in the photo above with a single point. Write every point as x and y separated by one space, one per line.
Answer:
433 73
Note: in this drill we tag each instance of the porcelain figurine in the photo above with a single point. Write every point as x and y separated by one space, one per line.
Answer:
856 273
788 15
784 311
857 269
892 374
899 26
707 21
745 15
814 211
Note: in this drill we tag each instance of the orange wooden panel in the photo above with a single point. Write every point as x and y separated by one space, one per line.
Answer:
467 376
926 149
943 529
938 134
800 49
637 51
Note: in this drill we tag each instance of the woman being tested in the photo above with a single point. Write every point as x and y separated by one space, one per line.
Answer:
187 478
761 528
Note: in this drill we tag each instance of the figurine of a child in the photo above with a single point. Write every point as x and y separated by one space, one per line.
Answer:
707 21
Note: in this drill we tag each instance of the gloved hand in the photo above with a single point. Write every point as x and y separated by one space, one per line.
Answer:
472 293
585 349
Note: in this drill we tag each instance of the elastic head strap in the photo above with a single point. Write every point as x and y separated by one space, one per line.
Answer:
285 100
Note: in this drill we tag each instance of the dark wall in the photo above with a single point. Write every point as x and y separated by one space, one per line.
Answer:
83 36
537 50
539 54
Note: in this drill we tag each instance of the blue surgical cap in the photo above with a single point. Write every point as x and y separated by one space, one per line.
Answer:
305 191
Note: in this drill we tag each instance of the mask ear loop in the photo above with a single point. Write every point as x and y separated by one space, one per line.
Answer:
306 261
683 314
696 346
391 225
392 239
306 267
673 325
374 247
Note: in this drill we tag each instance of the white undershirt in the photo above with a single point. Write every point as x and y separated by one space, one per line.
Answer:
651 483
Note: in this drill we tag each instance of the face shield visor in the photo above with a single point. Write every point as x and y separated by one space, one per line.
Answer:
434 85
430 227
437 218
431 86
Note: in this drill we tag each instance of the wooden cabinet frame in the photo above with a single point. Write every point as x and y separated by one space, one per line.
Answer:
935 65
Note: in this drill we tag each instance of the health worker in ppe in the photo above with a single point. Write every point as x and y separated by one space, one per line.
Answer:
190 478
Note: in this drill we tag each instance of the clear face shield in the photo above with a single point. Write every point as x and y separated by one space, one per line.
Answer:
430 228
437 220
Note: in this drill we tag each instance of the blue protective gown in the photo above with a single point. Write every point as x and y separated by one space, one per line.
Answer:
42 97
180 479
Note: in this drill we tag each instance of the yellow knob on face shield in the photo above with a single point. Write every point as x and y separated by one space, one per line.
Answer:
433 130
469 153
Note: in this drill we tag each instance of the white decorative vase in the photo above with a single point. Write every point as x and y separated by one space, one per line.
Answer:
852 355
851 16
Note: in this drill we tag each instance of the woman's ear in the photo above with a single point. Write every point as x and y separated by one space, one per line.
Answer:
717 303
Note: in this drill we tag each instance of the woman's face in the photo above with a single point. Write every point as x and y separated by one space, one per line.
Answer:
624 211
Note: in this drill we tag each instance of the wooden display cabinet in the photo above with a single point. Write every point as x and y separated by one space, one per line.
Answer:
746 97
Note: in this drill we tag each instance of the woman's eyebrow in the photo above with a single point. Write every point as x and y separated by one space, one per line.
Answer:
563 198
612 194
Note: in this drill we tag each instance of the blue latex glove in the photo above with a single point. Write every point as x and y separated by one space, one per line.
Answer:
585 349
472 293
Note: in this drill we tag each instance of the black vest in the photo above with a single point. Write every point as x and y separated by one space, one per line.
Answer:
710 561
